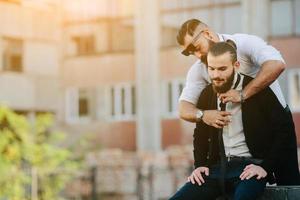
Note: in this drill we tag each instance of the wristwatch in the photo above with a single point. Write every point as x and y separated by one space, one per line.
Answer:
199 115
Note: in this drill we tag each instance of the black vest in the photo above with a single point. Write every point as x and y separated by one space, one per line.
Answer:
268 128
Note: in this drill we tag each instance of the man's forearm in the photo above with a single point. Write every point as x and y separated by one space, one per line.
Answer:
268 73
215 118
187 111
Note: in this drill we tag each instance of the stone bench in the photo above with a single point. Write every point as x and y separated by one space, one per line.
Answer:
281 193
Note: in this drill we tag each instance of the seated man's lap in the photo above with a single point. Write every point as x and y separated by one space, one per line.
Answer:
248 188
208 190
239 189
211 188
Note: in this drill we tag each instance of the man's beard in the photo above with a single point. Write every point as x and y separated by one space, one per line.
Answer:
225 87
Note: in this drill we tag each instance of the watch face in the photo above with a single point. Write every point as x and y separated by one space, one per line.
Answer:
199 114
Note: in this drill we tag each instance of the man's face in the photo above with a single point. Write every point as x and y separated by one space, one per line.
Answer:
221 71
198 47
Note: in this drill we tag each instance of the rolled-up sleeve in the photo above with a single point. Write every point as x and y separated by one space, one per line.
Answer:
196 80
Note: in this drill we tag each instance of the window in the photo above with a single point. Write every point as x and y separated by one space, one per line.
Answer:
85 44
108 36
12 55
294 89
285 16
171 93
122 98
83 104
80 105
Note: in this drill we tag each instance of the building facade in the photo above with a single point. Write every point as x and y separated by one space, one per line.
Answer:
113 69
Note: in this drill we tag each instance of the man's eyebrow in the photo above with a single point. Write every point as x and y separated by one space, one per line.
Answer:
216 67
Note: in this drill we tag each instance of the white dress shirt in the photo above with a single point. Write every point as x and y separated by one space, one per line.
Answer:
252 52
233 133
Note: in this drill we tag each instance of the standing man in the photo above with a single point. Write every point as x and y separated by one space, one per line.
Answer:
241 158
257 59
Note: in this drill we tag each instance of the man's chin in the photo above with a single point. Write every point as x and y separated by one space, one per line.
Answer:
220 89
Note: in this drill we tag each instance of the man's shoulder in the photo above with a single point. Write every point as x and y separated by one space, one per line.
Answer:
242 39
246 79
205 95
198 64
198 71
239 36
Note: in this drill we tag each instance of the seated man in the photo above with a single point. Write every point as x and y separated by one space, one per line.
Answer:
240 158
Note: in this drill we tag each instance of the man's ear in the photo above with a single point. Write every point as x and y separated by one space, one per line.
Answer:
207 34
236 65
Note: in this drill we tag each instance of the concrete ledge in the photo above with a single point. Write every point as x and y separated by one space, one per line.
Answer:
281 193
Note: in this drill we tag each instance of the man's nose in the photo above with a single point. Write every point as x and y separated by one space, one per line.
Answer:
215 74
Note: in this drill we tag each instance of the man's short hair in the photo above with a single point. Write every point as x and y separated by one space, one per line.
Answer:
188 27
221 48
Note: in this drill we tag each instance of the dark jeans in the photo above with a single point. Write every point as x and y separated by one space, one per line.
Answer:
240 190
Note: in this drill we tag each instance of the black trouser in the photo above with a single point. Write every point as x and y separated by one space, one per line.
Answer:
240 190
287 173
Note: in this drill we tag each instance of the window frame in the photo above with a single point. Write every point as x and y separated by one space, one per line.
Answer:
291 73
116 103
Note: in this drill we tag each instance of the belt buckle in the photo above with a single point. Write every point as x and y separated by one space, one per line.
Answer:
229 158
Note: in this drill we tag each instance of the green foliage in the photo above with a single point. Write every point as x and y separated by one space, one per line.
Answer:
26 145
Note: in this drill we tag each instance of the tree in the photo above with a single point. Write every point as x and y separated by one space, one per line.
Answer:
27 147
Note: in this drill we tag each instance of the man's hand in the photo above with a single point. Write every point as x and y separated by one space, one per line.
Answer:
196 175
215 118
253 170
230 96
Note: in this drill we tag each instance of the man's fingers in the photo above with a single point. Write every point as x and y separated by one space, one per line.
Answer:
225 113
250 175
206 171
220 123
225 120
199 175
196 179
227 99
223 95
248 166
192 179
201 178
216 125
259 176
244 175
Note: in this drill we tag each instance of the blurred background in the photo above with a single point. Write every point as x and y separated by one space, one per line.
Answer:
104 77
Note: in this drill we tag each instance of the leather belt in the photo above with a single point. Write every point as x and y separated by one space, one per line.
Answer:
244 158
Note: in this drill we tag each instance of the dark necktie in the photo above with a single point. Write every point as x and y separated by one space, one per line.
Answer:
222 156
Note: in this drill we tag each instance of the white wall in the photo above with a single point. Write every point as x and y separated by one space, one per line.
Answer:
17 91
41 58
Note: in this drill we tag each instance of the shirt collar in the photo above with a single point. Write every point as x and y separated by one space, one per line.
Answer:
236 80
221 38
